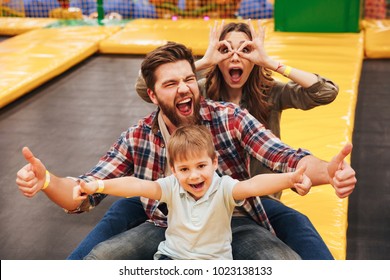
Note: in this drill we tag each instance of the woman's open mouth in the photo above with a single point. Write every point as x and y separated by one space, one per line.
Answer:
235 74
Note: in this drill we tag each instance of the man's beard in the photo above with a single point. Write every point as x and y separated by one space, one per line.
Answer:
176 119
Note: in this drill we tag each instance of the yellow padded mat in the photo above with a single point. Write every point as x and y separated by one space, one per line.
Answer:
141 36
30 59
377 40
15 25
323 130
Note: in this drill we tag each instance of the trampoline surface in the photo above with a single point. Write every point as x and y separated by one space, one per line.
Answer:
72 120
68 123
369 205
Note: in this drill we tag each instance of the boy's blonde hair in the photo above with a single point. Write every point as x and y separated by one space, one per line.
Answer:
190 140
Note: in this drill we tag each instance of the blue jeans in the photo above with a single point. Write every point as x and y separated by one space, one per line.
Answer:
291 226
122 215
296 230
250 241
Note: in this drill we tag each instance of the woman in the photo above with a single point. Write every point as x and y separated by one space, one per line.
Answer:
240 73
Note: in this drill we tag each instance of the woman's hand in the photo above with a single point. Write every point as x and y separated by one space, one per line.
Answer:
254 50
217 51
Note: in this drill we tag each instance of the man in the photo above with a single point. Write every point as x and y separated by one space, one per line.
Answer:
169 73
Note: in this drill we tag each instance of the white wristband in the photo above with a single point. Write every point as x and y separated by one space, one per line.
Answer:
100 186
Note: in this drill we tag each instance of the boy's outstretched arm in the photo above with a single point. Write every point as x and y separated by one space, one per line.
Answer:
124 186
265 184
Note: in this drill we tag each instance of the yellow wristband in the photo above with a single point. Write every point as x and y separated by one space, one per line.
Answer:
100 186
47 180
287 71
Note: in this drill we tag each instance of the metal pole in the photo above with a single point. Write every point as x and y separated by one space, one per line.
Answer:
100 11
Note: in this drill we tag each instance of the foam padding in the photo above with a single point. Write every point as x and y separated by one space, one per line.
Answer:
377 38
30 59
141 36
323 130
16 25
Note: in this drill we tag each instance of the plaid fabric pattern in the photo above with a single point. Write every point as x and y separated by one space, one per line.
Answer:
140 151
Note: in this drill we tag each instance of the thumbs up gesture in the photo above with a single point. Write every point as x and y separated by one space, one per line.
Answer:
31 178
302 183
341 174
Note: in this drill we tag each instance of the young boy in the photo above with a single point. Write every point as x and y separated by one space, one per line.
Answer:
200 202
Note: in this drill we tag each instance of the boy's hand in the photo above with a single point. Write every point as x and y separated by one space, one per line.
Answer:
81 191
302 183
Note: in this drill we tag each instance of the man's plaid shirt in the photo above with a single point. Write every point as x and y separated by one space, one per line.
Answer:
141 152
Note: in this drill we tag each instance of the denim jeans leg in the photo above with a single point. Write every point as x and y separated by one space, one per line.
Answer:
138 243
296 230
124 214
253 242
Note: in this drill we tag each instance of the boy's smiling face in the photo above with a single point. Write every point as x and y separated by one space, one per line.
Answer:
195 172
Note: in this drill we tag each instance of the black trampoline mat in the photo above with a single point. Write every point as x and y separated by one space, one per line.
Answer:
68 123
369 205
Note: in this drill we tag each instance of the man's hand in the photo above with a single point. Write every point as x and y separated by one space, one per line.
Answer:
31 178
341 174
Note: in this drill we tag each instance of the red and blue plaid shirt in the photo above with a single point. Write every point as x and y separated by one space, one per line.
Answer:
141 152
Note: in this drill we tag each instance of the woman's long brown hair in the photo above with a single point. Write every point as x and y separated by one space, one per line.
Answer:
254 91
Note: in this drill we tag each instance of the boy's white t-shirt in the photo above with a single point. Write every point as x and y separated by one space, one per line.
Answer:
198 229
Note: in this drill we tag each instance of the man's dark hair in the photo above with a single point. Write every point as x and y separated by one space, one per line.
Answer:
170 52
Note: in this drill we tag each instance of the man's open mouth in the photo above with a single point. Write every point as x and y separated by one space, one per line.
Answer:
185 105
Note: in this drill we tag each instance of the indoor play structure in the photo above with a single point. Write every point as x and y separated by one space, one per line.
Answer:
328 37
140 8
